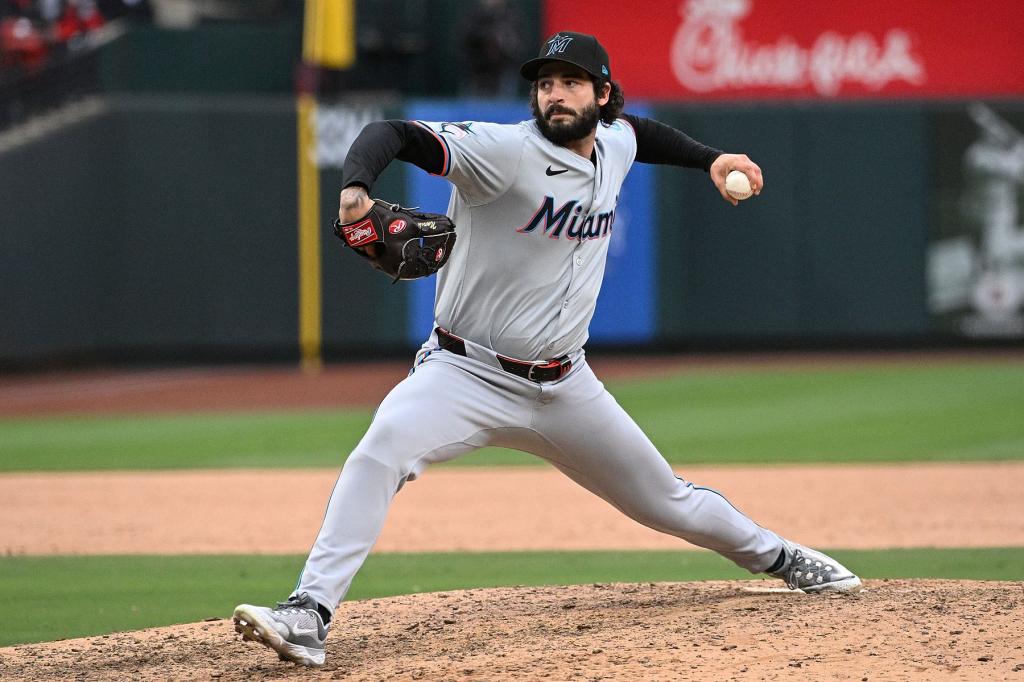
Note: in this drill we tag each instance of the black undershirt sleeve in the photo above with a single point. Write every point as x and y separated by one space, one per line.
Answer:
659 143
381 142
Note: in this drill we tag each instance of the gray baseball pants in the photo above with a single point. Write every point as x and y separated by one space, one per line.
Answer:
452 405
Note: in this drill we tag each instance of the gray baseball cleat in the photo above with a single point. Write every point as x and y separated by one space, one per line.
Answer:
294 629
811 571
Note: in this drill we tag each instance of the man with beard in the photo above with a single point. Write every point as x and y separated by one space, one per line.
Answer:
534 206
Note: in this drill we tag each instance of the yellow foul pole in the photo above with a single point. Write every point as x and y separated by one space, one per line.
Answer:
330 33
328 41
310 304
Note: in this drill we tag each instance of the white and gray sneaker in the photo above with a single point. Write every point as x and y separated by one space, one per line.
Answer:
294 628
811 571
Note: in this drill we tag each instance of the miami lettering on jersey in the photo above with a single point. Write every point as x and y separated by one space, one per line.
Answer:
593 226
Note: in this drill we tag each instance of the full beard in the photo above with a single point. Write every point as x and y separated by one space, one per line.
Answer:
563 133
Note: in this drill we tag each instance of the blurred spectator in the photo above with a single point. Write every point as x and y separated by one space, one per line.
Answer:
49 10
31 31
491 46
44 55
23 46
78 18
34 32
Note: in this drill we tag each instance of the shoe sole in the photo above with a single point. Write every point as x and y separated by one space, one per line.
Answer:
852 584
254 629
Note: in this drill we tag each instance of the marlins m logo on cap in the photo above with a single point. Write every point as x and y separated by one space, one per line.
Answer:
558 44
578 49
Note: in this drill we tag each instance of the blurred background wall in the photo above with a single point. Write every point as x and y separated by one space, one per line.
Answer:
150 156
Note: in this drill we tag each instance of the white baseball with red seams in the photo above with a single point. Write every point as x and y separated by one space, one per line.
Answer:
737 185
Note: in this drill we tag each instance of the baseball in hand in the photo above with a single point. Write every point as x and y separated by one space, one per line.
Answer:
737 186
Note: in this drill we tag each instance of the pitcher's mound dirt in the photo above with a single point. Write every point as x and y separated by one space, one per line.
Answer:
752 630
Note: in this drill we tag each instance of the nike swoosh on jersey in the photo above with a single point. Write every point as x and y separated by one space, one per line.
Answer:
555 172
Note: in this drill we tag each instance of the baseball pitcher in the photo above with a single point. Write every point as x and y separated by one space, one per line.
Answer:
519 264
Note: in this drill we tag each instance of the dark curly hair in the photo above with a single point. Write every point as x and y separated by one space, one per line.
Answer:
611 110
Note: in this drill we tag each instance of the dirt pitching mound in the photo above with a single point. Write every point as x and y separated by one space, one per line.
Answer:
895 629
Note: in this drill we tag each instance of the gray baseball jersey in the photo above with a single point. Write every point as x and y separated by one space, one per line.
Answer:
534 221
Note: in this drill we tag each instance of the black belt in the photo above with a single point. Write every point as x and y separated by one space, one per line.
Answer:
532 371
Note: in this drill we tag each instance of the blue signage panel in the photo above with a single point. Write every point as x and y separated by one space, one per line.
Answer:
626 308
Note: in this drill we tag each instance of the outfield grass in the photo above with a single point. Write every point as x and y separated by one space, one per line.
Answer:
50 598
312 438
966 411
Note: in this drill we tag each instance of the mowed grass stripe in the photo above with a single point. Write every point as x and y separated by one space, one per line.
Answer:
312 438
80 596
952 412
944 412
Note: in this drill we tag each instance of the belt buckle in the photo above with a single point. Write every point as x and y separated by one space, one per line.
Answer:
529 372
563 365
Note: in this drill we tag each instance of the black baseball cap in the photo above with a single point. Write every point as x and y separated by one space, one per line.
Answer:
579 49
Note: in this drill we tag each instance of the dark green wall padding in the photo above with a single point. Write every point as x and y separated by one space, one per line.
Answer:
167 226
833 248
217 58
164 226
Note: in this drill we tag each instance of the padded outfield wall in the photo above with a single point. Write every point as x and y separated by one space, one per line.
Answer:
154 227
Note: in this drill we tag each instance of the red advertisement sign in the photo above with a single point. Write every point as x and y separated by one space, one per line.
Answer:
752 49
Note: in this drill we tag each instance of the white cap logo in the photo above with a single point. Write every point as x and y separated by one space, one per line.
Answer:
558 44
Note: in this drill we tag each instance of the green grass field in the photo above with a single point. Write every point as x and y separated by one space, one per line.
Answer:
81 596
968 411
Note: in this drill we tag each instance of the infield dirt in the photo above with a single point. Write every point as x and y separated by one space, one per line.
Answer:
750 630
490 509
